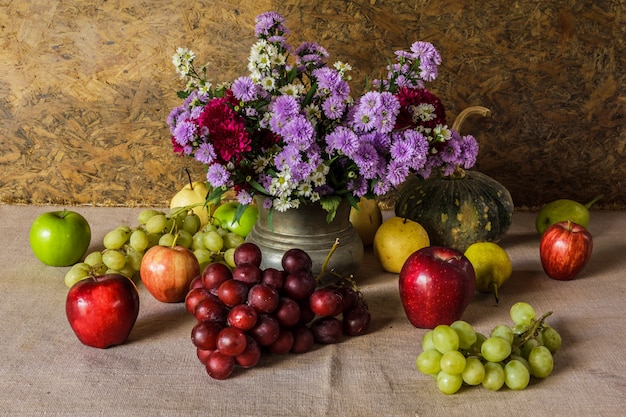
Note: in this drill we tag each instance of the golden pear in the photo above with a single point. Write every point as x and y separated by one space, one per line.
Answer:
396 239
366 219
193 193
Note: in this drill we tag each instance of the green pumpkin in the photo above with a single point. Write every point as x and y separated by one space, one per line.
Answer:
457 210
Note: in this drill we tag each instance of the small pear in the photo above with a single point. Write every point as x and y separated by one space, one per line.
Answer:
366 219
563 210
192 193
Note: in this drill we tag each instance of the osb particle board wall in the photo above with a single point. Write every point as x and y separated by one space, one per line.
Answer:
86 86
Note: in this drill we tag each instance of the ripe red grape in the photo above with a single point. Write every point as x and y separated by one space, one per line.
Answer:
263 298
350 297
294 260
356 321
196 283
303 339
231 341
242 316
214 274
203 355
273 277
204 334
233 292
299 285
195 295
248 253
326 302
306 314
219 365
327 330
251 354
283 343
266 330
288 312
211 309
248 273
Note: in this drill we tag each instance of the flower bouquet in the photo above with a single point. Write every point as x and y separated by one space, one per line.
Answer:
291 131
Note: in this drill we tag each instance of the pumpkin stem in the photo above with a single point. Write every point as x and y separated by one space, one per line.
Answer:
480 110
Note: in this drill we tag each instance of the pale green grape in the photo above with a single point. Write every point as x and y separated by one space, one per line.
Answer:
522 313
138 240
494 376
503 331
115 239
203 256
551 339
113 259
495 349
232 240
445 338
449 384
145 215
209 227
178 220
153 239
93 258
522 360
197 241
213 241
156 223
527 347
541 362
466 333
167 239
518 329
429 362
185 239
133 259
427 341
480 339
474 371
127 271
516 375
452 362
191 223
222 231
229 257
539 338
76 273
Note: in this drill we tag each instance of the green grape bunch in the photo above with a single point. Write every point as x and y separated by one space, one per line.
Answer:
456 355
124 246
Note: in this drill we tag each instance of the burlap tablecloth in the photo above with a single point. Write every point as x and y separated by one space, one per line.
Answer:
44 370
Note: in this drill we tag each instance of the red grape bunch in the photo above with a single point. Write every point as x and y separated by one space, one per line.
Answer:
245 311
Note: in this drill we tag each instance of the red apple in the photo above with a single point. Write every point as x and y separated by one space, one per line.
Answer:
167 272
436 286
102 310
565 249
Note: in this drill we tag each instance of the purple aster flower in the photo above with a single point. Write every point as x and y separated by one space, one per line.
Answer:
269 22
367 160
205 153
469 149
310 54
334 107
217 175
244 197
343 140
285 106
173 117
184 132
245 89
298 132
397 172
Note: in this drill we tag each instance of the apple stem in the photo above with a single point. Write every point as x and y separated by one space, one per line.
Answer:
595 200
189 178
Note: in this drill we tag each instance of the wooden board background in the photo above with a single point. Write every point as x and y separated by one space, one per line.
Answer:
86 86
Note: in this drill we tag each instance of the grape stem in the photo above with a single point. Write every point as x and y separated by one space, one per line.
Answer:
330 254
532 330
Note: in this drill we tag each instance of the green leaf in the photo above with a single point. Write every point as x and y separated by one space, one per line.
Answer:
239 211
330 204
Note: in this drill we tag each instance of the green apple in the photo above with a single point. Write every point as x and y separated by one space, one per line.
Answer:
366 219
60 238
563 210
224 216
193 193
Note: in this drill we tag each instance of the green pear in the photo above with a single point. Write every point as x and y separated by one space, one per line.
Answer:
564 210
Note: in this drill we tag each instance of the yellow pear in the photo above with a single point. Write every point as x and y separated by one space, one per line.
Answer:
366 219
396 239
192 193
